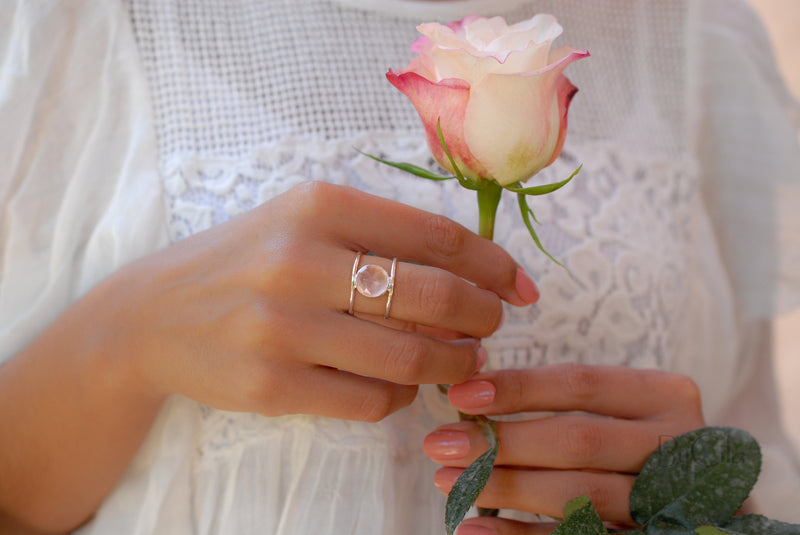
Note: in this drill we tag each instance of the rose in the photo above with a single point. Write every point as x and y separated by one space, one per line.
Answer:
497 91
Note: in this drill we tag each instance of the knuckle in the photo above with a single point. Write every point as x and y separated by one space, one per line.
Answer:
444 237
404 362
244 328
376 405
310 198
514 387
581 443
438 297
580 380
259 327
600 495
494 316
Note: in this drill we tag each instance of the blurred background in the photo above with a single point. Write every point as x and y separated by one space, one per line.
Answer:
782 18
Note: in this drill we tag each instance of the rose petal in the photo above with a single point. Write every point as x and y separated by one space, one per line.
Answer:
458 63
513 122
565 91
445 101
538 30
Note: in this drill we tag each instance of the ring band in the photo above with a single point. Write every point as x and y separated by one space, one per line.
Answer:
353 282
372 281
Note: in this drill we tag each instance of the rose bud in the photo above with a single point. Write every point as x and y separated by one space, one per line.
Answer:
498 92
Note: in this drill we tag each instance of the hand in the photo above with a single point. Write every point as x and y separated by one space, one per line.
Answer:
249 316
252 315
543 463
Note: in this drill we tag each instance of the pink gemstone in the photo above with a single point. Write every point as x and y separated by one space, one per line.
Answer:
372 281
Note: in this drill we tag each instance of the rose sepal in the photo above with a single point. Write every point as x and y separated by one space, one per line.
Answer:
464 181
544 188
527 214
410 168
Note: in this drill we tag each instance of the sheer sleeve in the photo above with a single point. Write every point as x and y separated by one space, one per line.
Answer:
747 143
79 191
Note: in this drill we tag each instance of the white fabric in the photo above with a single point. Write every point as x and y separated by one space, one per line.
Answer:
251 97
79 192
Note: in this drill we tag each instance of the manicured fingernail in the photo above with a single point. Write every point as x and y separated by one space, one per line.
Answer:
446 444
472 529
483 356
526 288
472 394
445 478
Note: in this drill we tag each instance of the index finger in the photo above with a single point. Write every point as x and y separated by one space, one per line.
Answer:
616 391
391 229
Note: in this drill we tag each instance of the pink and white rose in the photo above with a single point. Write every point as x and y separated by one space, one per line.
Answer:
498 91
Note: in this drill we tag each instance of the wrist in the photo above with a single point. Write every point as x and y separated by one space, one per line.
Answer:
118 355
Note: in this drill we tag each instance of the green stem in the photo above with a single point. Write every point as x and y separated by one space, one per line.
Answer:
488 200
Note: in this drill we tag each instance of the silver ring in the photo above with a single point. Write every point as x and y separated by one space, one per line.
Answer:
353 282
372 281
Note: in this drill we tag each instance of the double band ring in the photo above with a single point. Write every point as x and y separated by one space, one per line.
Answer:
372 281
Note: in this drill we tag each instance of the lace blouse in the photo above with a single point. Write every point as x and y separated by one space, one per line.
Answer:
680 231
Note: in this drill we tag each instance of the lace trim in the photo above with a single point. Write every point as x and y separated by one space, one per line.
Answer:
622 228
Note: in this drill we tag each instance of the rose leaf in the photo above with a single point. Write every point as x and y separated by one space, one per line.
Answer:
471 482
580 518
760 525
697 479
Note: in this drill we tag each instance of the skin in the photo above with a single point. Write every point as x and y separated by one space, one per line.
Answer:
250 315
543 463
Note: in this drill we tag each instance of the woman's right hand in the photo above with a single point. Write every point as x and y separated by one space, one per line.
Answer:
251 315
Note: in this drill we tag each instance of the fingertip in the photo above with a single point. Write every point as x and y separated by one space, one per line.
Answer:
446 444
526 288
474 529
445 478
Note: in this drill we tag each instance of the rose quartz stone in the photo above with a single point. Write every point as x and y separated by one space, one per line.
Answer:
372 281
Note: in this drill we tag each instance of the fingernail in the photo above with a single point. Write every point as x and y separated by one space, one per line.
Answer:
445 478
446 444
526 288
472 394
472 529
483 356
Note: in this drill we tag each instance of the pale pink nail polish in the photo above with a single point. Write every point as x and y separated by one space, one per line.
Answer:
472 394
526 288
446 444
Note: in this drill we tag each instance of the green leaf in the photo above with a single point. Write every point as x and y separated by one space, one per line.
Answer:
545 188
527 213
464 181
471 482
581 518
760 525
575 504
410 168
709 530
700 478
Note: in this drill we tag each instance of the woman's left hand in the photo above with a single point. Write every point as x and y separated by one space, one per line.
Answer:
545 462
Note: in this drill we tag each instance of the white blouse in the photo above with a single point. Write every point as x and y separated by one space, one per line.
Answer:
128 126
